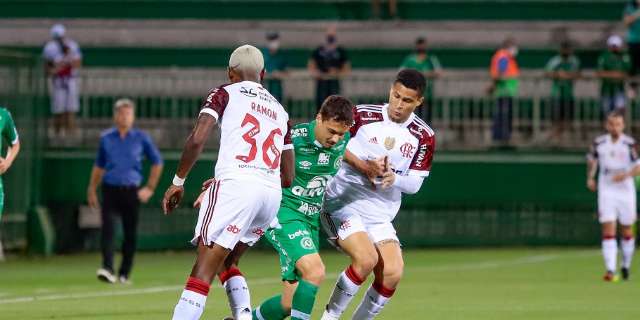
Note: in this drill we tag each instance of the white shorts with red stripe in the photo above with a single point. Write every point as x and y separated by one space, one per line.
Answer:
235 211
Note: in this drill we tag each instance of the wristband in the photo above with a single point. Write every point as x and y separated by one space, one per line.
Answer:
177 181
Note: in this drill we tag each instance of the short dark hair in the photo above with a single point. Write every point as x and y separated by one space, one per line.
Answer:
337 108
566 44
421 40
615 114
412 79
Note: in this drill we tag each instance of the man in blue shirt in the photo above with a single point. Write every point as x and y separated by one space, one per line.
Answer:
119 167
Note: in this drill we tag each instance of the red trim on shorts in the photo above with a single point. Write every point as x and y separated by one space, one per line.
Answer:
608 237
353 275
228 274
209 215
380 288
198 286
627 238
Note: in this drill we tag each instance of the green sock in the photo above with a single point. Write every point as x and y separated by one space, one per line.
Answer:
270 309
303 301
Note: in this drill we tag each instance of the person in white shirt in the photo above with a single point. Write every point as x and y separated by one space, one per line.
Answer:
390 153
62 60
255 159
614 155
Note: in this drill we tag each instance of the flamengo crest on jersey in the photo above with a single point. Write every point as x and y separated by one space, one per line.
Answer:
254 130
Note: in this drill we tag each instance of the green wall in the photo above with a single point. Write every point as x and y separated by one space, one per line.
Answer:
313 10
469 199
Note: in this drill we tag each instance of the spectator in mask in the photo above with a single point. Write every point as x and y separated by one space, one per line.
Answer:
328 63
504 72
275 64
613 69
427 63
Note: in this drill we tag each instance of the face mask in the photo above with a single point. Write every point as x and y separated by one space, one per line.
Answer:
331 39
273 45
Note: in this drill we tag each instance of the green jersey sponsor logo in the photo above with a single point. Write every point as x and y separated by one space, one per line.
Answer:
315 187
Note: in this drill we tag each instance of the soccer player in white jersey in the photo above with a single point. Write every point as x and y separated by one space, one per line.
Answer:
389 154
255 150
614 155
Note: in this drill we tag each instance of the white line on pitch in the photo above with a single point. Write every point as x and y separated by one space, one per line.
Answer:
274 280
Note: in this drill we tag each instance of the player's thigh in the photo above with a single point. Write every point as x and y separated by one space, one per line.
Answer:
264 212
233 259
228 211
292 240
359 247
627 214
607 209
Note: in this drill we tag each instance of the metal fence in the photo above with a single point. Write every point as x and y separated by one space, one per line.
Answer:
460 111
21 91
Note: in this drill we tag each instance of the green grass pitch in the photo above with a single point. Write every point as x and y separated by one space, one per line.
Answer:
438 284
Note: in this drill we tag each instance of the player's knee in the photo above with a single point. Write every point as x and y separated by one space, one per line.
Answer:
393 272
365 262
315 275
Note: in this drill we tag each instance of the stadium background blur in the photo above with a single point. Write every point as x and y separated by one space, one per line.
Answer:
166 55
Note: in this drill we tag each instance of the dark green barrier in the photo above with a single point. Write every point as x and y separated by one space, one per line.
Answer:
469 199
374 58
314 10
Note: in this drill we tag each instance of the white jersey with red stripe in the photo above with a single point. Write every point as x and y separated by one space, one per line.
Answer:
254 130
614 158
409 147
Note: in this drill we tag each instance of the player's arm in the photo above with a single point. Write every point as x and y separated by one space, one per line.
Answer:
630 18
592 168
94 181
411 182
190 153
371 169
635 169
287 168
10 133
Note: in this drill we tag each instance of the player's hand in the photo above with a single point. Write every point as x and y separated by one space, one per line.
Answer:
374 169
92 199
144 194
388 179
620 177
199 200
591 184
4 165
172 198
207 183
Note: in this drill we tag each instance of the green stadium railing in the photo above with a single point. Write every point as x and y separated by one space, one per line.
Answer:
361 58
22 92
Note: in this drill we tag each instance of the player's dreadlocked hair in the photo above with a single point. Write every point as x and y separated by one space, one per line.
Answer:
412 79
337 108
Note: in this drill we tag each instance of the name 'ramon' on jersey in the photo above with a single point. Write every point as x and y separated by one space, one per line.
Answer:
254 130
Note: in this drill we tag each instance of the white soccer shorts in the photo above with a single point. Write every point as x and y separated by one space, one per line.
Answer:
64 95
616 206
346 221
235 211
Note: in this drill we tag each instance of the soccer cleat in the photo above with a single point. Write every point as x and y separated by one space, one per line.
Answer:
124 280
105 275
611 277
327 316
625 273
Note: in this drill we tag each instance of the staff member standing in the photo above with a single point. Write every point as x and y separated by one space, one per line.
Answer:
9 133
119 167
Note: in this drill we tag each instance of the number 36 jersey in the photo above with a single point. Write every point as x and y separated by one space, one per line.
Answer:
254 130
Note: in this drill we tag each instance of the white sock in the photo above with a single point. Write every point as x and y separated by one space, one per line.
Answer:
190 306
628 246
238 294
372 303
346 287
610 254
